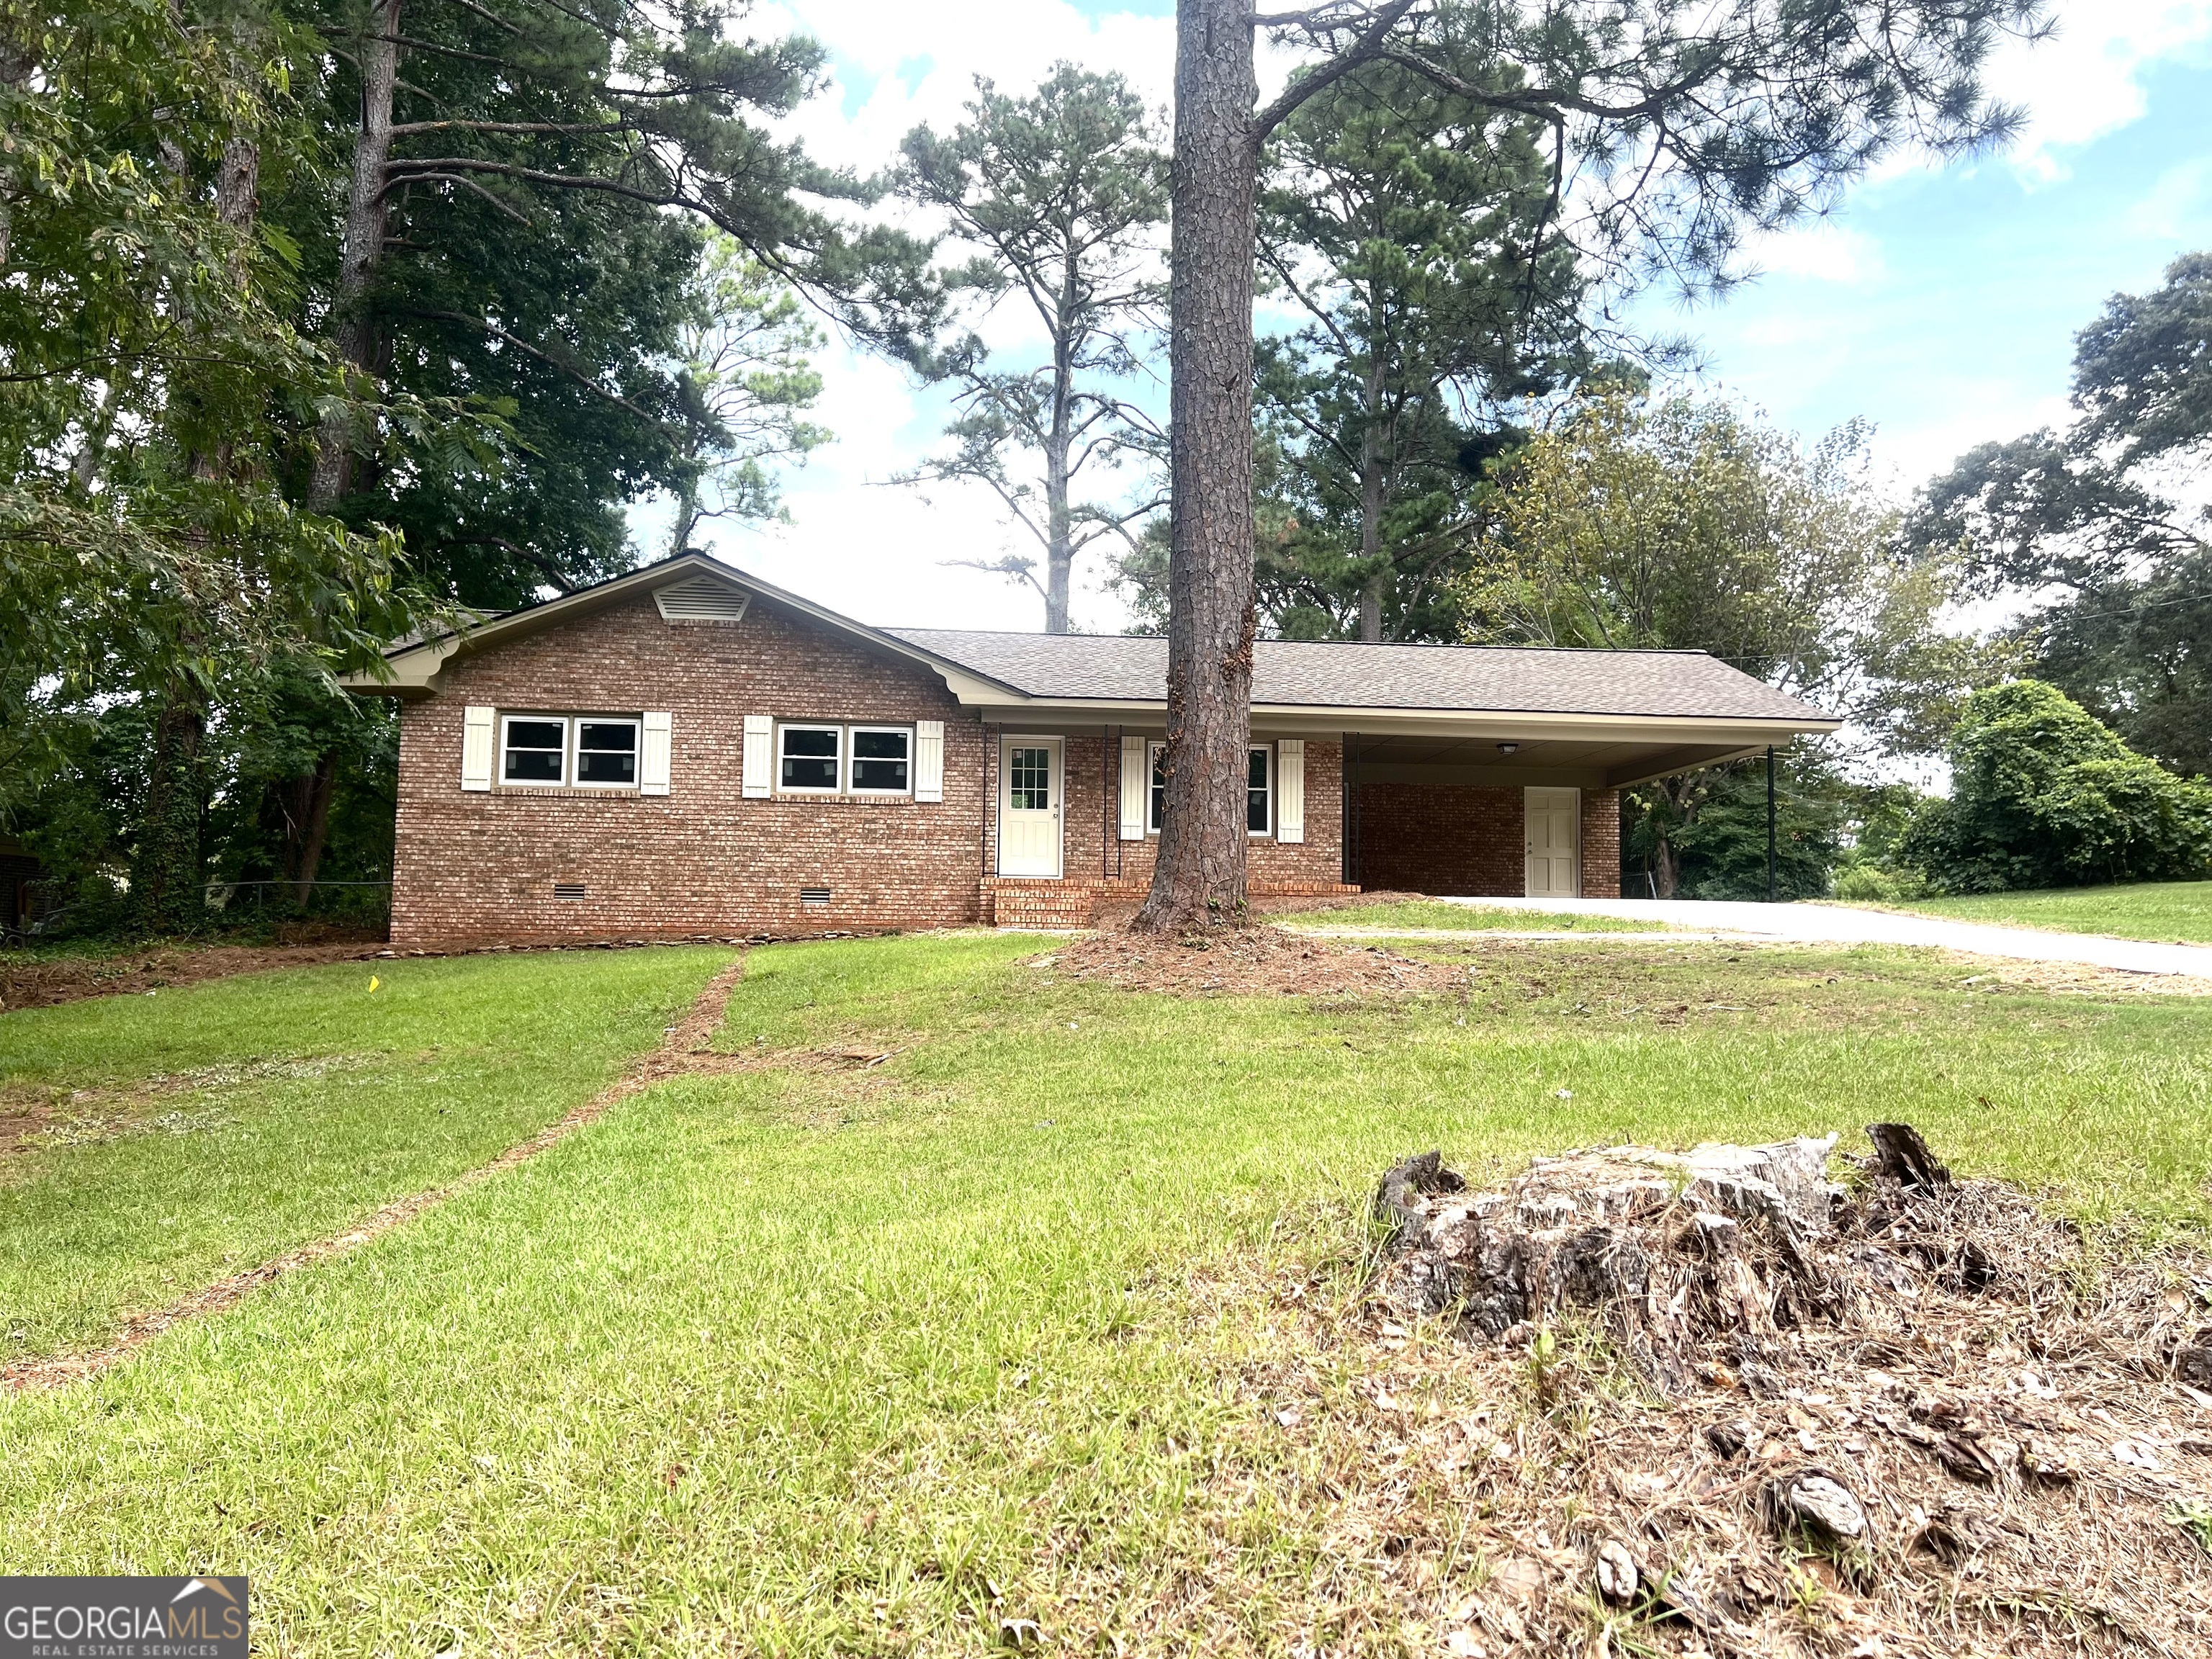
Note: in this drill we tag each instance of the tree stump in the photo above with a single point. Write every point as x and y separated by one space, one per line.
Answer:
1670 1249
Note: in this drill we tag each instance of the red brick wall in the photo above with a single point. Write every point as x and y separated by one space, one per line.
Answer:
476 867
1600 847
1469 840
1440 838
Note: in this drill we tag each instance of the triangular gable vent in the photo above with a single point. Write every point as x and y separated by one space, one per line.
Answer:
702 599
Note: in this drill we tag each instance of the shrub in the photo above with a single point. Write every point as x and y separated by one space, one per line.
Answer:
2042 795
1869 884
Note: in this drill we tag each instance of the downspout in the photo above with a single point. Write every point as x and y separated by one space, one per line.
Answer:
1348 815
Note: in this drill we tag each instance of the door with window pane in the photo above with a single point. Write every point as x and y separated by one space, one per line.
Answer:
1030 806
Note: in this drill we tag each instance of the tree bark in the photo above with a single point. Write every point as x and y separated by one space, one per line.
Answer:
1371 478
363 246
312 826
1060 544
1199 879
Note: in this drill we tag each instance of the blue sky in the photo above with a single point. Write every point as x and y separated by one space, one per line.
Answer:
1939 304
1942 306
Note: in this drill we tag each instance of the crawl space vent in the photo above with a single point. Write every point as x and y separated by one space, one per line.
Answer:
567 889
814 896
701 599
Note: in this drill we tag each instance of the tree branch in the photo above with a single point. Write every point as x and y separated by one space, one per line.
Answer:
1364 50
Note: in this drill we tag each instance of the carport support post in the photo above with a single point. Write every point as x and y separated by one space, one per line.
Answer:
1770 823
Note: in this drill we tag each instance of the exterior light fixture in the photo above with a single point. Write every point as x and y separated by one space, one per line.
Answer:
1508 748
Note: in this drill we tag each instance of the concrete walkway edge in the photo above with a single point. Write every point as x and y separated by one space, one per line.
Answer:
1836 924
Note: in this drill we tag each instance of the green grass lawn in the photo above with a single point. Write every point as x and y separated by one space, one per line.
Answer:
800 1360
192 1133
1470 918
2171 912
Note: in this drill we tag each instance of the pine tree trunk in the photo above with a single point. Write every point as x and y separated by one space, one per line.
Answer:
362 248
1199 879
1060 544
1372 478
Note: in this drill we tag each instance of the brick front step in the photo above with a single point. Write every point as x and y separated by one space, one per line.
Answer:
1016 901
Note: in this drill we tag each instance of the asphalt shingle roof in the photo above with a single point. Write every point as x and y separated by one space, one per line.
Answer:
1344 675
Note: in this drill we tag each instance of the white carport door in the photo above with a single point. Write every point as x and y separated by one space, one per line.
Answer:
1554 833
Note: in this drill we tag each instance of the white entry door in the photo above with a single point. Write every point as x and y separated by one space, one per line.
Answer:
1030 806
1554 837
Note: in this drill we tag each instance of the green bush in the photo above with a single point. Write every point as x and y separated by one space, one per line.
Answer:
2042 795
1871 883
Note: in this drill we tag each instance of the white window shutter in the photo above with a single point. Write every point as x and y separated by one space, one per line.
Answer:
929 760
759 773
476 724
1291 789
1136 784
654 742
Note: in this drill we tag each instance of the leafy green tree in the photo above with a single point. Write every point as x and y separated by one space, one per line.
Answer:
1669 523
154 379
526 189
2044 795
1411 230
1719 852
2098 510
1062 192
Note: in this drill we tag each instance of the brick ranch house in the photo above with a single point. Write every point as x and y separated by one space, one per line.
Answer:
687 751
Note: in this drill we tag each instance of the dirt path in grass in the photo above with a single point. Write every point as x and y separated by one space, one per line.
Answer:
682 1050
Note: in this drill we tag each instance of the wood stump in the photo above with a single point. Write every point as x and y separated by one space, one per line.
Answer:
1671 1249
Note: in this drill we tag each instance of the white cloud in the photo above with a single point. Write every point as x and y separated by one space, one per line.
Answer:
2085 82
1972 413
1821 250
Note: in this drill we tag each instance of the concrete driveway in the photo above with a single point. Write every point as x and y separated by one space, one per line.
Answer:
1837 924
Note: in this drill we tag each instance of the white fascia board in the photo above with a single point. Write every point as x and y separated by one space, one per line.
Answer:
1302 720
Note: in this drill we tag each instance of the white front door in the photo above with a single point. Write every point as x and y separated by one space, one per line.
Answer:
1030 806
1554 832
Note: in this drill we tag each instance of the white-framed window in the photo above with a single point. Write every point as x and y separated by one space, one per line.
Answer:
883 760
810 760
606 752
533 748
1259 791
